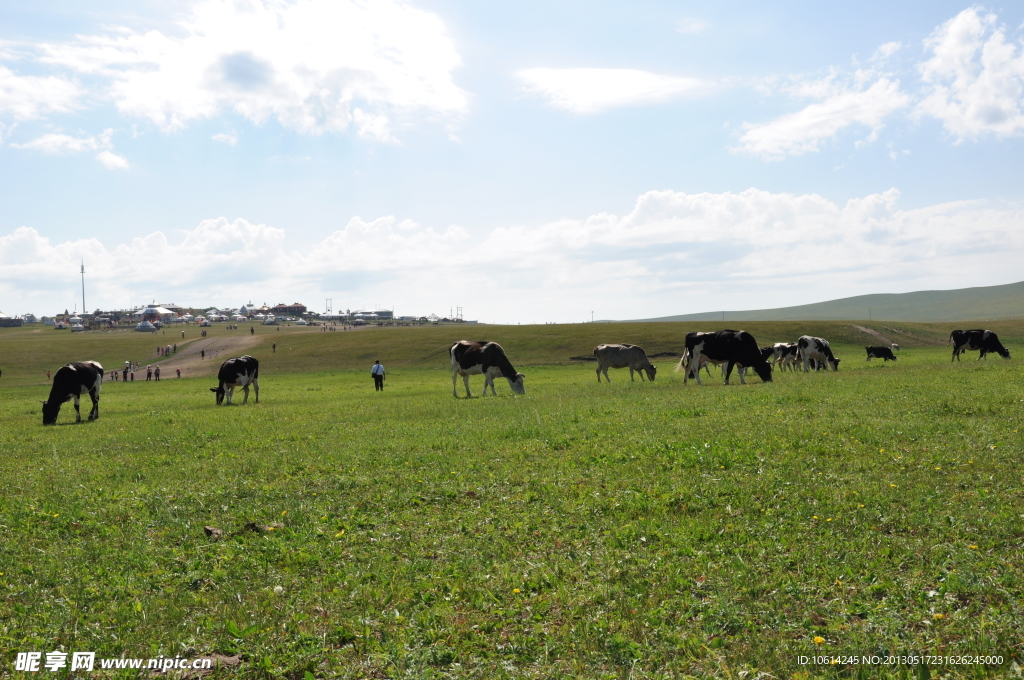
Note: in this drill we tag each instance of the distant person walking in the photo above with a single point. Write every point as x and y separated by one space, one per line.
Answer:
252 331
183 335
149 373
274 347
124 374
377 371
202 354
179 372
47 375
156 373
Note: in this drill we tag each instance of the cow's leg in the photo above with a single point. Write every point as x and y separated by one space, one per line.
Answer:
598 371
631 374
95 412
981 355
230 389
742 371
245 395
694 368
727 371
78 413
256 386
465 381
455 377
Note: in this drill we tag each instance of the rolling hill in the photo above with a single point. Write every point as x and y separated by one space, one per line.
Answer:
981 303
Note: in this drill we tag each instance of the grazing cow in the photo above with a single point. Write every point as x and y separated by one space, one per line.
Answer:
974 340
623 356
473 358
733 348
684 361
239 372
784 354
883 353
72 381
895 347
818 350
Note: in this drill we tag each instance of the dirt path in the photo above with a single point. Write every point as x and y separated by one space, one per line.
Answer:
218 349
873 333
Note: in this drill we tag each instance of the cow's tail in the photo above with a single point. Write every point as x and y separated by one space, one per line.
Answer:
950 340
683 360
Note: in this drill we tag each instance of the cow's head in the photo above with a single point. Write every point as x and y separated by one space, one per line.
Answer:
835 363
517 384
652 370
764 371
1004 353
219 391
50 412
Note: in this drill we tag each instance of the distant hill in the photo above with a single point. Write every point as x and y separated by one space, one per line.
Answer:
964 304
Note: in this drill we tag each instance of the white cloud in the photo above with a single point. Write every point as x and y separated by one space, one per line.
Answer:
886 50
229 138
308 65
592 90
111 161
672 253
974 78
59 143
691 25
842 105
56 143
28 97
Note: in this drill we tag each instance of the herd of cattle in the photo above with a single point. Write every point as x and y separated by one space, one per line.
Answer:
728 349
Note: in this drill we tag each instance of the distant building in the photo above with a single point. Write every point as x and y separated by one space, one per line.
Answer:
375 314
294 309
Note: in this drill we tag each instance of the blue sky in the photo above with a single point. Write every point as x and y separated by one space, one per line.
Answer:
530 161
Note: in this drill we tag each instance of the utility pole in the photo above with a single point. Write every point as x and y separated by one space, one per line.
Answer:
591 316
83 285
869 312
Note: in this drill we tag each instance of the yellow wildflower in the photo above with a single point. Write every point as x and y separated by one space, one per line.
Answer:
818 640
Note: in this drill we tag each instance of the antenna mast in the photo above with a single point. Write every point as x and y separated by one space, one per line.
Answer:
83 286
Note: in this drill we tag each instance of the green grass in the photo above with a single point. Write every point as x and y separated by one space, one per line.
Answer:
651 530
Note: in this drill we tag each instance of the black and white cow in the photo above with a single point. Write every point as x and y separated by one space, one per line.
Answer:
684 362
883 353
239 372
818 350
784 355
71 382
975 340
487 358
733 348
895 347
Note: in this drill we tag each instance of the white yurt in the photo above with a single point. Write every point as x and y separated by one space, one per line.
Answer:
145 327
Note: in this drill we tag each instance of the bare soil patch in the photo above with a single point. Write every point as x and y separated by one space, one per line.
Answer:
873 333
218 349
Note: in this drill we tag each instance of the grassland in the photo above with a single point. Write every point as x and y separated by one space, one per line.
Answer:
583 530
982 302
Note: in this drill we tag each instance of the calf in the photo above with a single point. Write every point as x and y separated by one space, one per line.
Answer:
487 358
815 349
733 348
623 356
71 382
883 353
784 354
975 340
239 372
895 347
